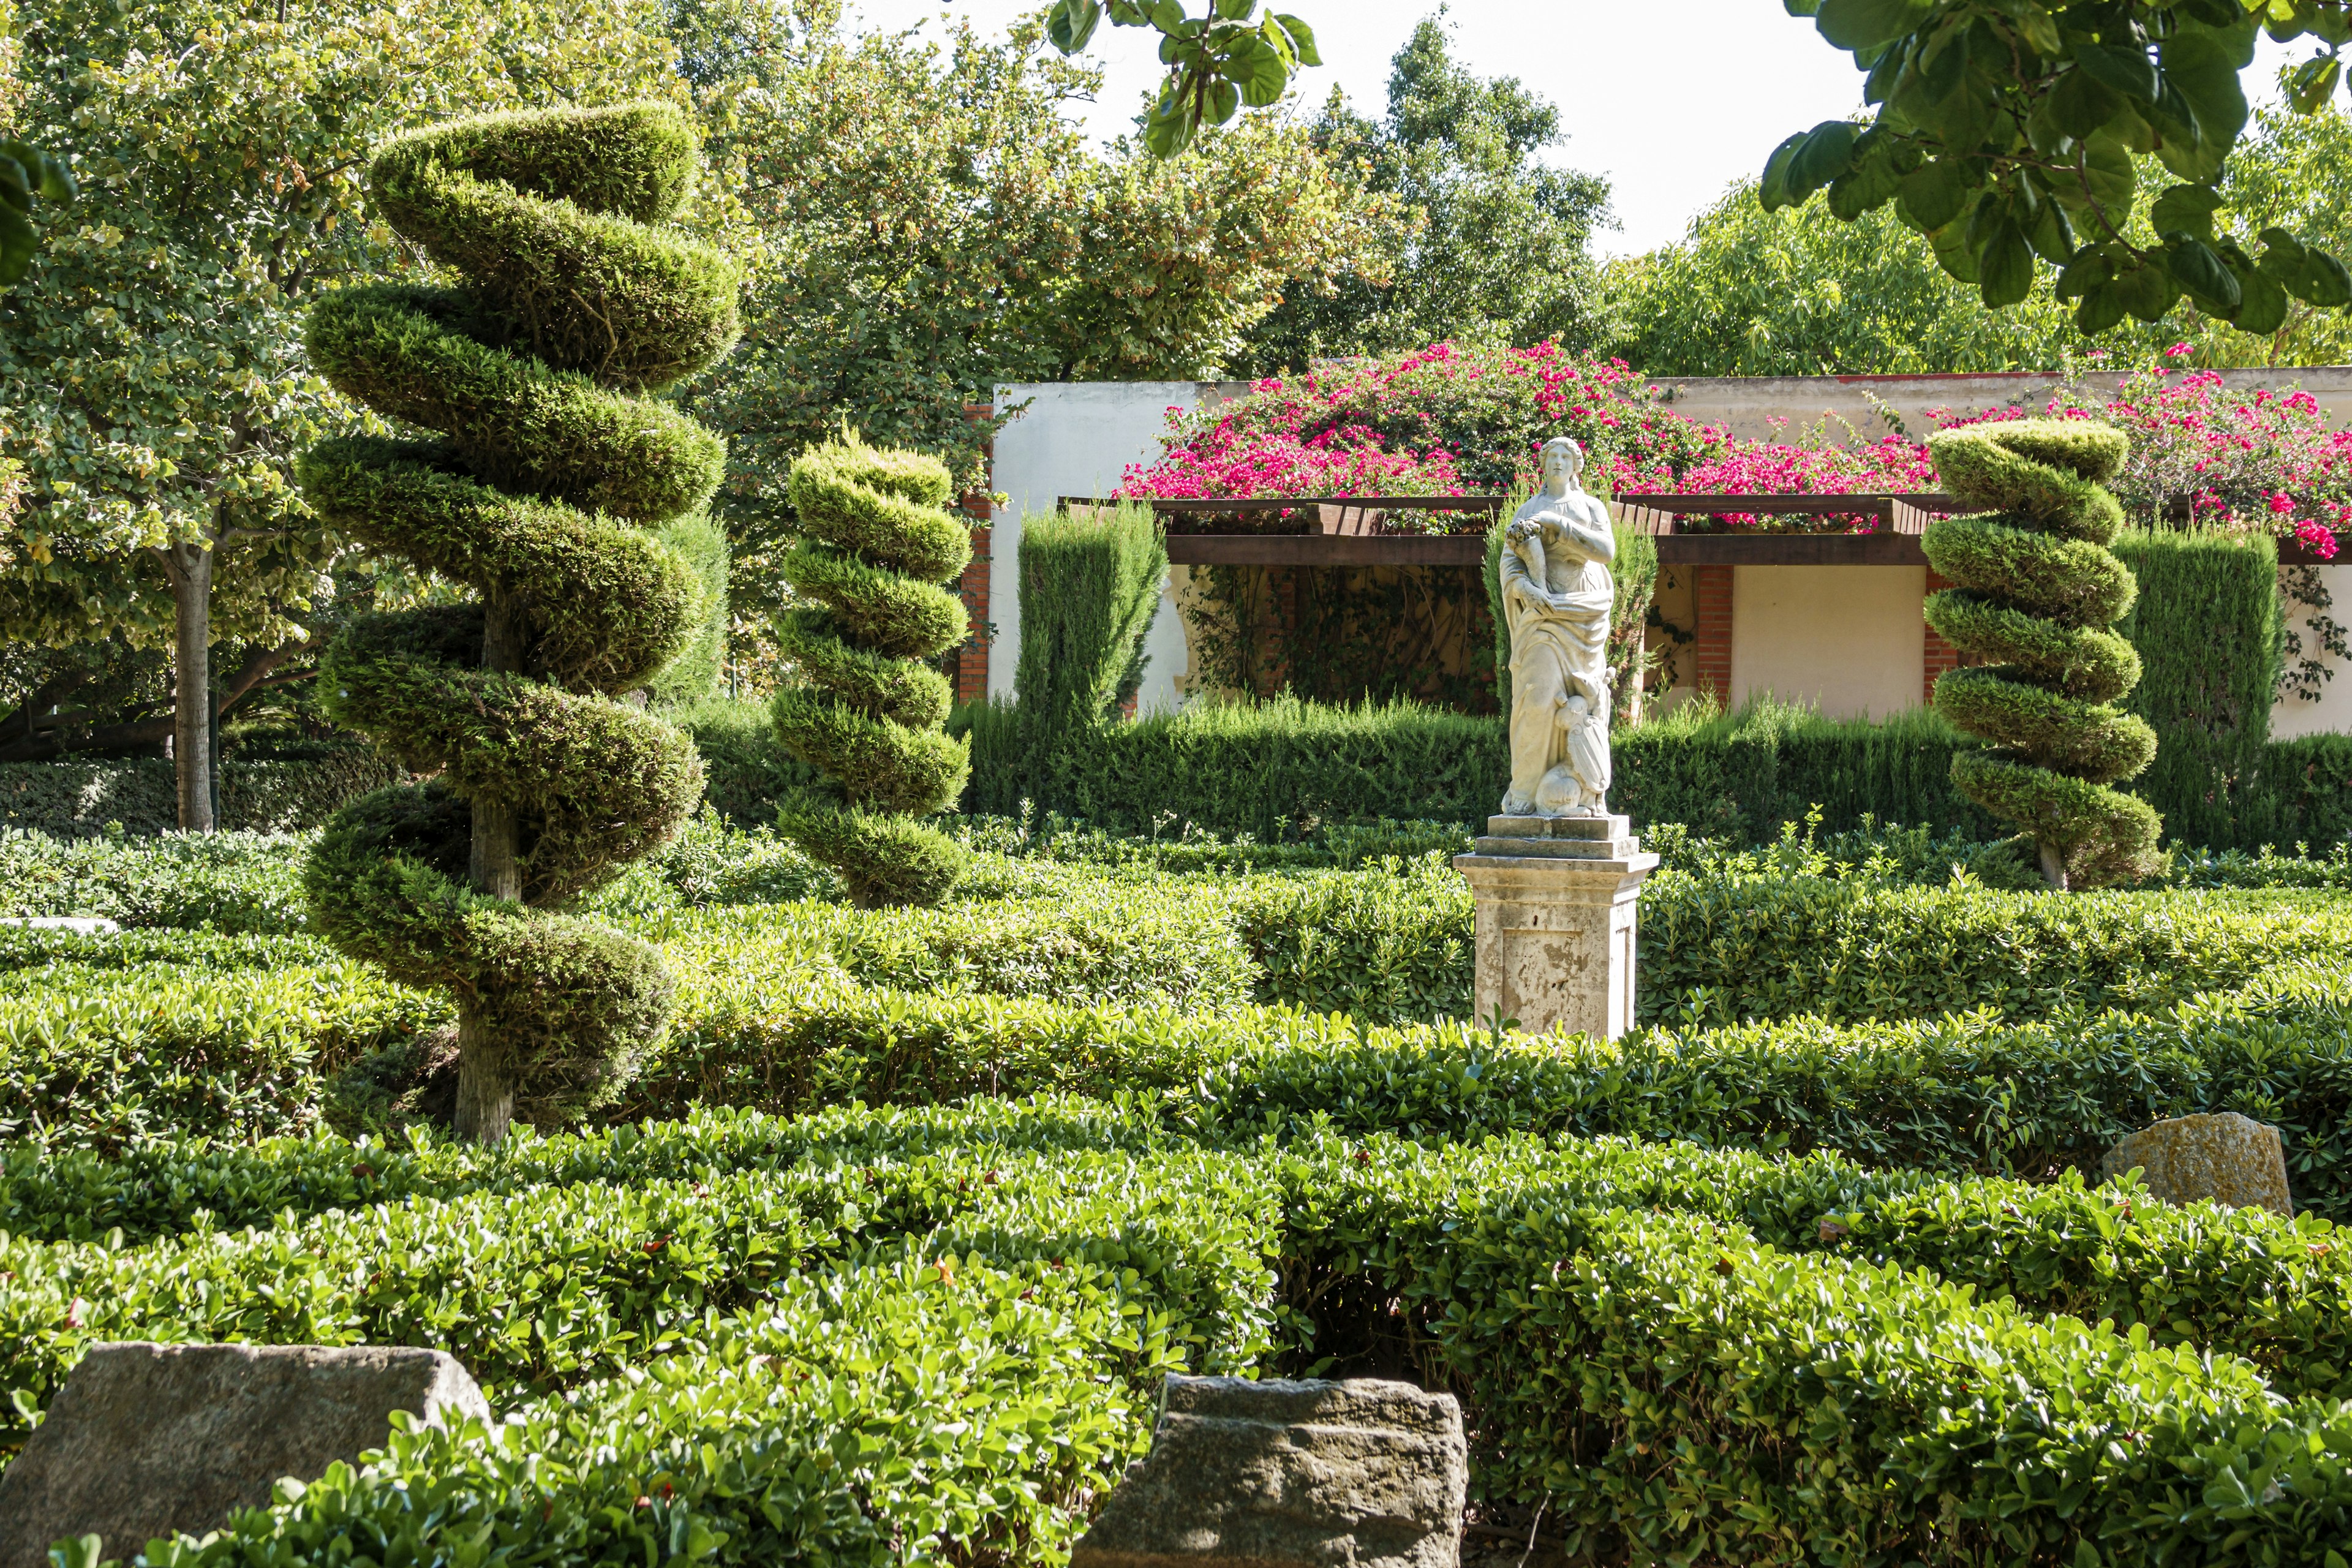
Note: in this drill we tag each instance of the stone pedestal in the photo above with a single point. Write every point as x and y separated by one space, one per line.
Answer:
1556 898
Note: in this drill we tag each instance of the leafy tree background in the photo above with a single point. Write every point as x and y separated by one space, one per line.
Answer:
928 223
1499 243
151 372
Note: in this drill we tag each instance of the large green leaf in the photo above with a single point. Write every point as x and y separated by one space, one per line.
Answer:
1950 244
2050 234
2081 103
1071 25
2101 308
2329 282
1302 38
1774 192
1865 23
2262 306
2203 64
2089 268
2313 83
2201 273
19 240
2005 266
1870 183
2147 289
1933 194
2106 180
2188 208
2119 68
1825 154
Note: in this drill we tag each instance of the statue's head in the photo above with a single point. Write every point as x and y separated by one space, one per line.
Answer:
1561 457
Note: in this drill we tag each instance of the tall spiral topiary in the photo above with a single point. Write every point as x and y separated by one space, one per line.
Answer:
876 544
550 469
2037 589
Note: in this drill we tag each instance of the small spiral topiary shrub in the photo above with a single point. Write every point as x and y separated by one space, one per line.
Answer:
550 473
2037 590
876 544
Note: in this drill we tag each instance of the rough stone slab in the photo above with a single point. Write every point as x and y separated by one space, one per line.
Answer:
2226 1157
85 925
146 1439
1359 1474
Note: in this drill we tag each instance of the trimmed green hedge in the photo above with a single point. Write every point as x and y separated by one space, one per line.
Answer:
2208 625
82 799
1286 768
881 1339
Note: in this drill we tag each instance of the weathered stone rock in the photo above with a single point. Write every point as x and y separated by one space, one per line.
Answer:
2229 1158
1360 1474
146 1439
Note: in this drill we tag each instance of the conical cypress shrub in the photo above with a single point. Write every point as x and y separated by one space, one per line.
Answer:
2037 590
543 493
876 544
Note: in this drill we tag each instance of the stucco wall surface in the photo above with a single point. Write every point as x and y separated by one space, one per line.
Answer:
1847 639
2332 714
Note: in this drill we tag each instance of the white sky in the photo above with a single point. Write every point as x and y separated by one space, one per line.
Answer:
1672 99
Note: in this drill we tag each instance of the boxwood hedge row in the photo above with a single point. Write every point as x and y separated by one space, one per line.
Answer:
756 1338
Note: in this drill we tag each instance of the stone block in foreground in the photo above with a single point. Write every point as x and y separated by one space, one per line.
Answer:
147 1439
2226 1157
1359 1474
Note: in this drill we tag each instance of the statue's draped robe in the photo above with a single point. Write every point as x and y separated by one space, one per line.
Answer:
1555 652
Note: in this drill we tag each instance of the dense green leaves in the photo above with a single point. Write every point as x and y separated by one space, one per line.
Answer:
2018 106
1217 62
27 172
1490 239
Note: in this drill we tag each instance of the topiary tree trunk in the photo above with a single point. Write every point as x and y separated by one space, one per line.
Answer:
552 470
2037 590
876 544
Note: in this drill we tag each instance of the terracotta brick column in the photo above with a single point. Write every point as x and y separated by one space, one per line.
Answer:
972 658
1712 587
1941 655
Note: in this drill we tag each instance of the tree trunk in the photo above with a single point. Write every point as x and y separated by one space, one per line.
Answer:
2053 867
486 1090
189 568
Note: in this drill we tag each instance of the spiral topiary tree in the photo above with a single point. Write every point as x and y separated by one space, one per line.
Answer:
876 544
550 469
2037 589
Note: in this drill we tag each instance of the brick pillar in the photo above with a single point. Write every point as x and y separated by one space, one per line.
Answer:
1941 655
971 660
1711 585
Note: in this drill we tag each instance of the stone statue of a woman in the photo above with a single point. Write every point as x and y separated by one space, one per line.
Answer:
1556 596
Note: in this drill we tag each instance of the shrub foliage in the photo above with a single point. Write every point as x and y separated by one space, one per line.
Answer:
2037 590
553 469
877 542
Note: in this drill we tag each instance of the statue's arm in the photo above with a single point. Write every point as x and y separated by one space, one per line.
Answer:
1594 532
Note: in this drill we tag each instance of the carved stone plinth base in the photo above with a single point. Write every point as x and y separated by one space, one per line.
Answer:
1555 897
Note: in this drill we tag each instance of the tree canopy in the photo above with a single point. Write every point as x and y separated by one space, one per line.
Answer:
928 223
1499 246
